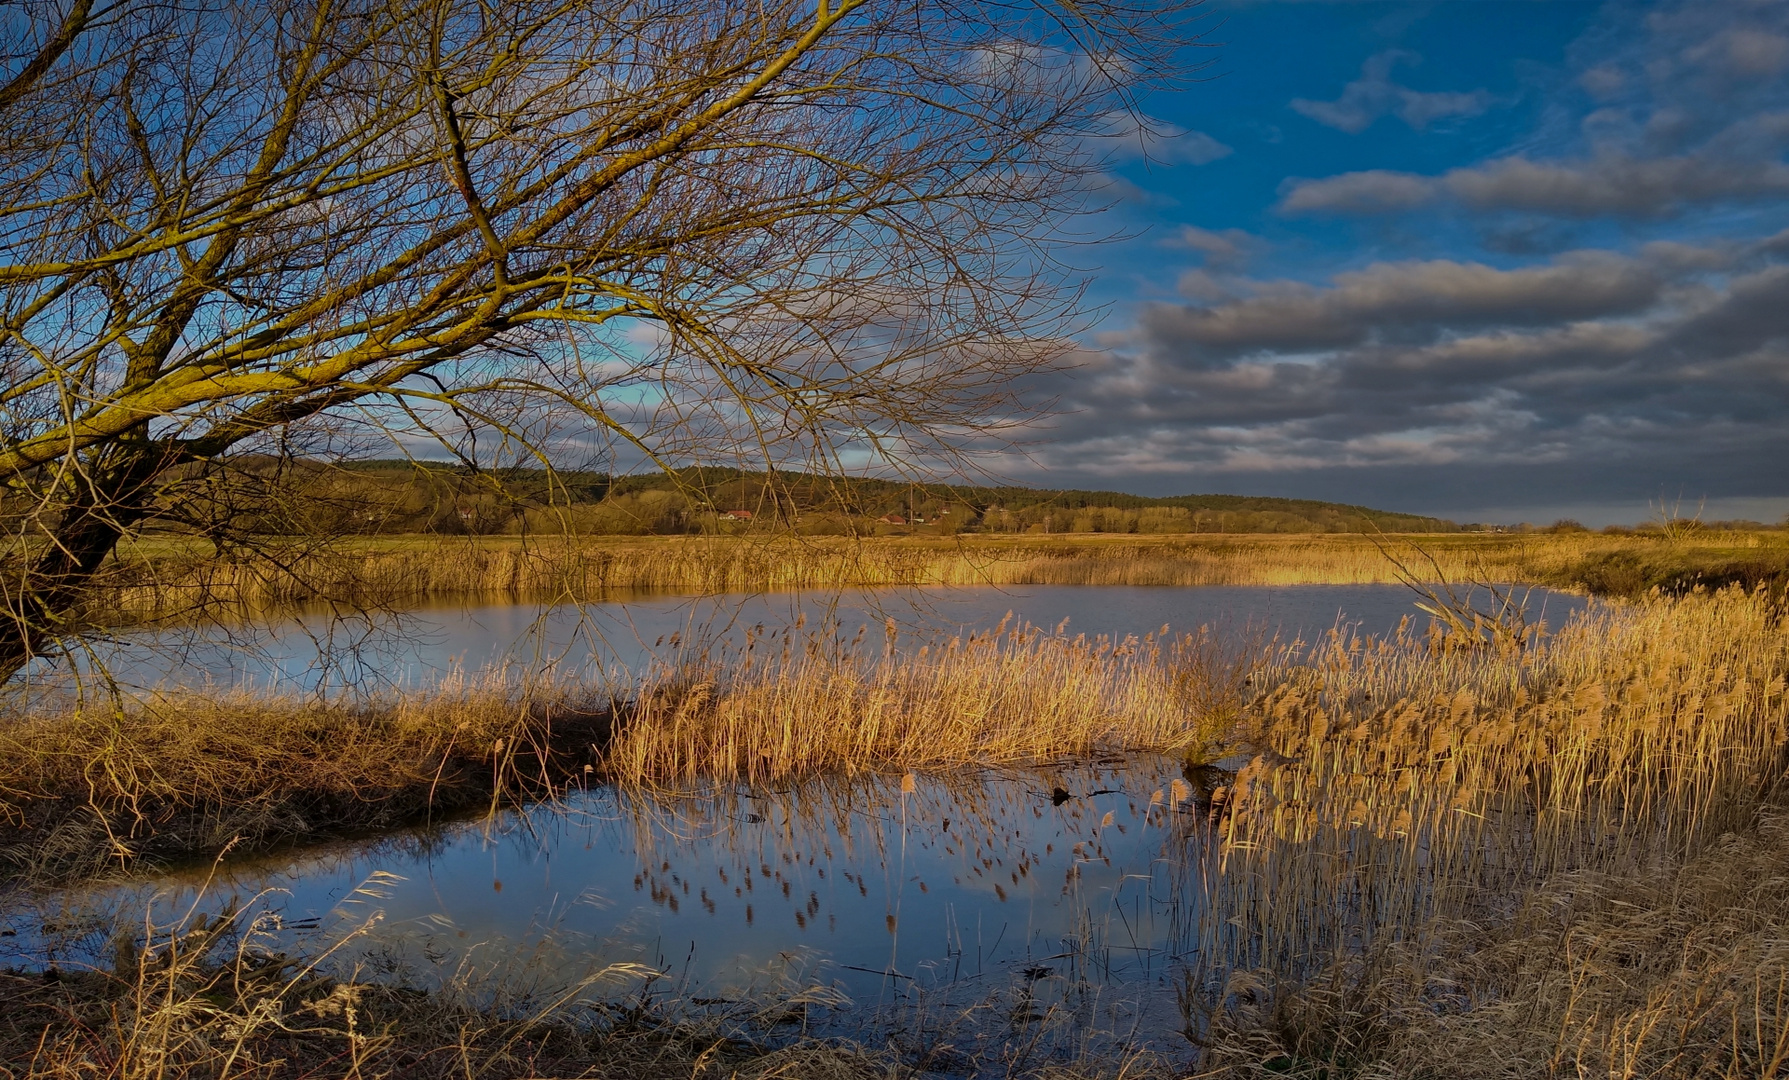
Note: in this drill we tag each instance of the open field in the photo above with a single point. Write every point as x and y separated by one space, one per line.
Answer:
178 577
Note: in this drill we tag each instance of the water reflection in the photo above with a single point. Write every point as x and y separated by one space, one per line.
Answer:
1059 880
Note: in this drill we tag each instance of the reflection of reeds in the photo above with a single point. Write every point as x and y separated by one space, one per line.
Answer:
218 997
1418 812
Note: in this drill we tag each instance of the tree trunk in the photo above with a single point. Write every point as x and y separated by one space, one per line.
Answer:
40 604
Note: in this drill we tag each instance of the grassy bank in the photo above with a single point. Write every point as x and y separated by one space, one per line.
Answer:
134 785
183 577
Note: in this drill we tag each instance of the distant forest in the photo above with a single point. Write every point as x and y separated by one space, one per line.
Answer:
403 497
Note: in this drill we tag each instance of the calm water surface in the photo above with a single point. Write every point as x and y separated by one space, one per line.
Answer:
1060 880
416 648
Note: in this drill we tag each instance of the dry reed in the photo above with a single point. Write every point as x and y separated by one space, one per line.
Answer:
1419 812
801 704
184 578
108 785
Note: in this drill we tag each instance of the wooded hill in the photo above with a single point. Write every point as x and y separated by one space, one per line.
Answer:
386 497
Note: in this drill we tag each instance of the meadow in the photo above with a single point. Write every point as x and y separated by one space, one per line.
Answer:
1450 853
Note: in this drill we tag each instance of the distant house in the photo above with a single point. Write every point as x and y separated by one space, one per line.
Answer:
737 515
892 519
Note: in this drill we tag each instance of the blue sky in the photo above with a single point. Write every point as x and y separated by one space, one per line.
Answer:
1499 261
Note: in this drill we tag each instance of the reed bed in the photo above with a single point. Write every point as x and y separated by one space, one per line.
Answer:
800 704
176 578
1432 838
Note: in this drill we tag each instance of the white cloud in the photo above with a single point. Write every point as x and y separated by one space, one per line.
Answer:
1222 249
1128 136
1374 95
1741 51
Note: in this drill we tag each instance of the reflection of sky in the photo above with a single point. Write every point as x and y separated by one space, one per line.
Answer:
414 649
965 879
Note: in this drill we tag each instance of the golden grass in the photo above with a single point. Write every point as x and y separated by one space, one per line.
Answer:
130 785
1473 864
178 576
811 704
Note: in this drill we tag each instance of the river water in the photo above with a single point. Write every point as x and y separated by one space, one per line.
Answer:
412 649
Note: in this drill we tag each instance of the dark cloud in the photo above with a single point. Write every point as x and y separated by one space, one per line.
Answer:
1406 384
1527 237
1612 185
1407 300
1615 185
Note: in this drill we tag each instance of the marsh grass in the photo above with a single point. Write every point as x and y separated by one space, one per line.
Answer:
798 704
1558 861
182 578
111 784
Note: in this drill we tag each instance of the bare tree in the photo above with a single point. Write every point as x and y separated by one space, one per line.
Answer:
244 231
